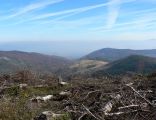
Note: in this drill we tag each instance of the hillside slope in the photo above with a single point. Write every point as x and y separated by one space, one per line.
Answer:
110 54
133 63
11 61
83 66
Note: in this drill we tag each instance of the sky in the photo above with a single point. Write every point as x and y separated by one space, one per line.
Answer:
76 27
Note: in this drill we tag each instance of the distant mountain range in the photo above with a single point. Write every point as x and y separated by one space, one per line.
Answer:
11 61
132 64
110 54
111 61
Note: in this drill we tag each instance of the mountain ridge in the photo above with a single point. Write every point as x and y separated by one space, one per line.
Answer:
112 54
11 61
133 64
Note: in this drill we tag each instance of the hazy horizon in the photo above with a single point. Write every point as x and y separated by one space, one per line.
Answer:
73 49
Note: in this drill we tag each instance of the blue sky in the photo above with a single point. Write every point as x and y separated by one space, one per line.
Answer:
76 22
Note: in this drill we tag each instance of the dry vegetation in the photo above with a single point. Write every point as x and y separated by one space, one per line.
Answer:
84 64
30 96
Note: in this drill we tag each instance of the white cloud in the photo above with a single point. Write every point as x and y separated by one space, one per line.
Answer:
138 24
137 20
113 12
62 14
66 13
148 1
75 11
75 24
33 7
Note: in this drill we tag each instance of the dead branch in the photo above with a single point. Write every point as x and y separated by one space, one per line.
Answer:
130 85
89 112
129 106
82 116
120 113
91 92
